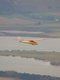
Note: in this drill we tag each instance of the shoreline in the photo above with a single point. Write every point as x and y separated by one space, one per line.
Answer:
52 57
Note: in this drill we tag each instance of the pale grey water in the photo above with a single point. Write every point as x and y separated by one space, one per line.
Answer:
10 43
28 65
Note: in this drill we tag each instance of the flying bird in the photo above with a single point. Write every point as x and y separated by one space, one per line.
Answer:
31 41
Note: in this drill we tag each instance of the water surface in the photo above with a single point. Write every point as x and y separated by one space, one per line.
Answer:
28 65
10 43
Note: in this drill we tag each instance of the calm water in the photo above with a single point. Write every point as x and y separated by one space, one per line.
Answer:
10 43
27 65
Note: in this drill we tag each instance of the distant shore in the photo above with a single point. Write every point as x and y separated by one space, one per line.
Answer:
14 33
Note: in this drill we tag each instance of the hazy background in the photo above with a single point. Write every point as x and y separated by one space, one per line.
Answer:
28 6
30 16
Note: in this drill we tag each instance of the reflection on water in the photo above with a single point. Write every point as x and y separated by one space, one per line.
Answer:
19 64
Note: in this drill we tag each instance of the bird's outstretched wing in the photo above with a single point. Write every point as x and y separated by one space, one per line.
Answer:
37 39
23 38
